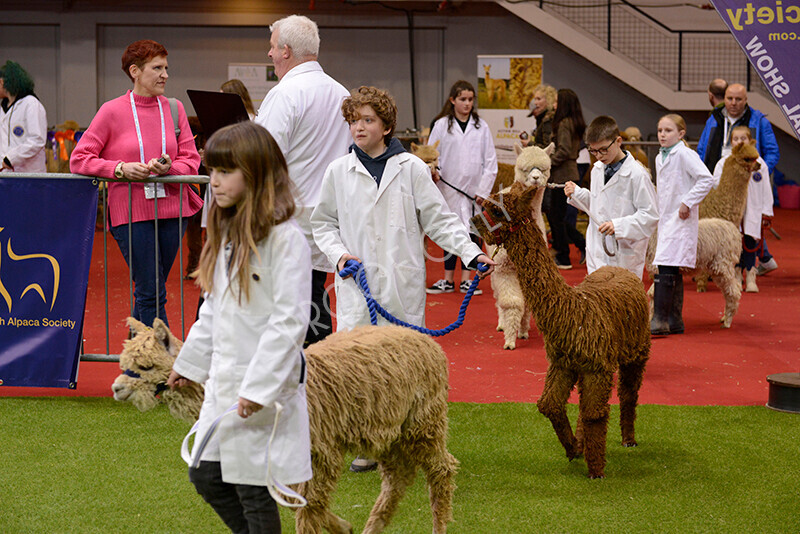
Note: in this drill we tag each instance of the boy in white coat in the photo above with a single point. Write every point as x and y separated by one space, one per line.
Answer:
622 198
375 206
758 210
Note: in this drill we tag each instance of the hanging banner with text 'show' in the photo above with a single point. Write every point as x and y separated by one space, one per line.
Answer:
46 232
769 33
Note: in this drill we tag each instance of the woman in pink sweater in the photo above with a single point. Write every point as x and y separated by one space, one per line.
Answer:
131 138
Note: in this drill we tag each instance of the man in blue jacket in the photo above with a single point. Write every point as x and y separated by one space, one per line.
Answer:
715 142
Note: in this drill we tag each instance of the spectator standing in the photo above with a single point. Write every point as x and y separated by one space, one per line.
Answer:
543 110
303 114
23 122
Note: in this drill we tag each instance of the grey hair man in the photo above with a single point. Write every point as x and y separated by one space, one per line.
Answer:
303 114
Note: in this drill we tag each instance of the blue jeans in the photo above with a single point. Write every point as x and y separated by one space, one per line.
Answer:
144 268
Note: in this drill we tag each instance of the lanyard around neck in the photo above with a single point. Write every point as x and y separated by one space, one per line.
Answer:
139 130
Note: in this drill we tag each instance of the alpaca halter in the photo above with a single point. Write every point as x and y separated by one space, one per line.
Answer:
160 387
497 226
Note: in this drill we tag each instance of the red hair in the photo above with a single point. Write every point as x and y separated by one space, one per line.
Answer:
139 53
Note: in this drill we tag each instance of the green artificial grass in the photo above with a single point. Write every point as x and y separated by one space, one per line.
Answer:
88 465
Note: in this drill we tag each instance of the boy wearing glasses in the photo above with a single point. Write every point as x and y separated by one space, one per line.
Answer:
622 200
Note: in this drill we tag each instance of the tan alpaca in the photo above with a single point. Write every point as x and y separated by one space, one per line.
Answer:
719 246
377 391
494 86
729 199
427 153
513 315
590 331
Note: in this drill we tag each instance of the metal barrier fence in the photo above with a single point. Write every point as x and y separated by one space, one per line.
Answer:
103 199
685 60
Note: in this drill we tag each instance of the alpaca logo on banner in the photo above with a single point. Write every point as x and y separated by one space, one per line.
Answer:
769 33
35 287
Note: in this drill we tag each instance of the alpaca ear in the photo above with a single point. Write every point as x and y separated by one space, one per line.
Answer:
527 196
135 326
414 147
753 142
517 148
550 149
436 144
161 331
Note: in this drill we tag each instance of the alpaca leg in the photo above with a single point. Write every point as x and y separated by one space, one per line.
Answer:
630 380
558 384
440 470
732 290
525 325
594 410
397 474
316 515
512 318
701 279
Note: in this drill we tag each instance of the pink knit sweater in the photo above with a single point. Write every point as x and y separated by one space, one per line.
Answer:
111 139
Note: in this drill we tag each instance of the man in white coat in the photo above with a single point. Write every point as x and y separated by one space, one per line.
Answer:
622 201
303 114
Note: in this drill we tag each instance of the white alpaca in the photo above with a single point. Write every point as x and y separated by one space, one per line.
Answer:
719 245
513 315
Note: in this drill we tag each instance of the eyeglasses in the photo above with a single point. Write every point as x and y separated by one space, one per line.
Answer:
601 151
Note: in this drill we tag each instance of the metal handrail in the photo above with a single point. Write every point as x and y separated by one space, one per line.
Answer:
169 179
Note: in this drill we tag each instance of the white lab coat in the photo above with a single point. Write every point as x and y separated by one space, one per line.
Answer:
23 133
467 161
629 201
254 351
681 178
304 115
759 197
385 227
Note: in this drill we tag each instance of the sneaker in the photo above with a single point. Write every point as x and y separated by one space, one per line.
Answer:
362 465
764 268
464 287
583 257
564 266
442 286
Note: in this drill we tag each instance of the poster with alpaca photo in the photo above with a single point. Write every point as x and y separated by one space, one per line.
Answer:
505 91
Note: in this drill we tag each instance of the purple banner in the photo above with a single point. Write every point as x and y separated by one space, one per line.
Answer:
769 33
46 232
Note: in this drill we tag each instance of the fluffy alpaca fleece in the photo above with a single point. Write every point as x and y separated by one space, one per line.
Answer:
590 331
719 246
150 354
377 391
513 315
427 153
729 199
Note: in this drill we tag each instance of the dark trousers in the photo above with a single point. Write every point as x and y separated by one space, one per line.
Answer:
748 259
320 325
149 300
244 509
451 259
561 232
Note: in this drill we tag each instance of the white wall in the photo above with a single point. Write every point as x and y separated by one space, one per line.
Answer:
75 60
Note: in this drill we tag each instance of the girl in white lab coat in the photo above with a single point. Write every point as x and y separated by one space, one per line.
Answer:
468 165
245 347
23 122
682 182
758 210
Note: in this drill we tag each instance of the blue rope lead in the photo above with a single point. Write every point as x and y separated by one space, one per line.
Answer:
354 268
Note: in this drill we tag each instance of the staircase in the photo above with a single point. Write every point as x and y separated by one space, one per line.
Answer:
673 68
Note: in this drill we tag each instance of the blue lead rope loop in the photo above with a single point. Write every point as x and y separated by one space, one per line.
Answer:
357 271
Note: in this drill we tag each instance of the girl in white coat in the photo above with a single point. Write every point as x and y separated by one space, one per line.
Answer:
682 182
758 210
468 169
245 347
23 122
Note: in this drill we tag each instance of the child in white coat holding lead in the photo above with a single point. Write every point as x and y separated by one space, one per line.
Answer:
468 163
622 201
255 269
758 210
682 182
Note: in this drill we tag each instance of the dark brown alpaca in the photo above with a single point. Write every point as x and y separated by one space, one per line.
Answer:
590 331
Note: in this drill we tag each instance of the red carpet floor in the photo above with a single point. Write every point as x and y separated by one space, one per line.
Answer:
707 365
